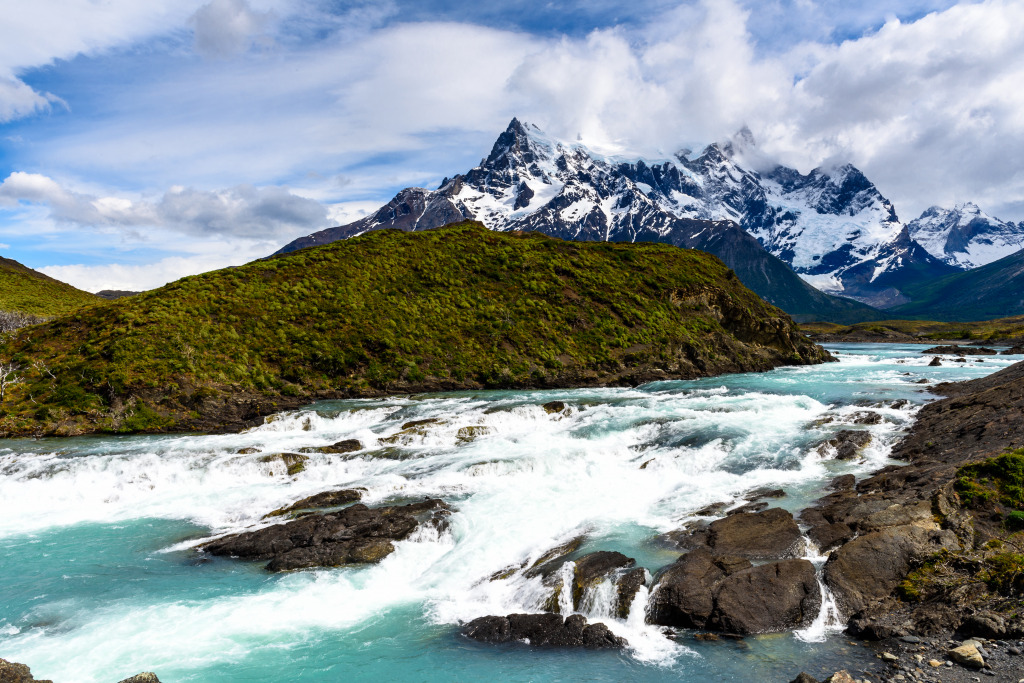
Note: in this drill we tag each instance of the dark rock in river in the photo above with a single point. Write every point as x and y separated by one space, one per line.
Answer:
1014 351
770 597
146 677
592 569
543 630
327 499
848 443
12 672
702 591
357 534
844 482
626 590
935 362
553 407
957 350
768 535
346 446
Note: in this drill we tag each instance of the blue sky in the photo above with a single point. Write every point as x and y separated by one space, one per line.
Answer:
143 141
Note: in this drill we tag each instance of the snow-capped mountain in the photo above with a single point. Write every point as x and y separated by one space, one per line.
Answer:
965 236
832 225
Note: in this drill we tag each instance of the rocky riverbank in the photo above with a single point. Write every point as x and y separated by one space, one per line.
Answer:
927 560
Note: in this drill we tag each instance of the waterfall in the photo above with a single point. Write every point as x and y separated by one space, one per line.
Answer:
829 619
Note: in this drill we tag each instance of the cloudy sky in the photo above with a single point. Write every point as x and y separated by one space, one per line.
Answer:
141 141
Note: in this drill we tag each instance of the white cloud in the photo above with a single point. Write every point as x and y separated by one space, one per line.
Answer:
224 28
242 211
140 277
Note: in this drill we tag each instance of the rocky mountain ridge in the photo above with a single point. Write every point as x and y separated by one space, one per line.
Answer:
831 226
965 236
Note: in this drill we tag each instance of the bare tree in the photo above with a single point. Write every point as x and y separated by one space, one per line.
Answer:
13 320
8 378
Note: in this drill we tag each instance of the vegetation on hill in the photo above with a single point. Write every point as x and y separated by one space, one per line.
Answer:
991 291
391 312
23 290
912 330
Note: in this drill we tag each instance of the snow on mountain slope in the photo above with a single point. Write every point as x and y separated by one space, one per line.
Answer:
965 236
831 226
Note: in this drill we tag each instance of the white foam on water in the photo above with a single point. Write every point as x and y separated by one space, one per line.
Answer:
829 619
526 482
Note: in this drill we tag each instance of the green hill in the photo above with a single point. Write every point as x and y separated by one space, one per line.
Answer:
995 290
459 307
24 290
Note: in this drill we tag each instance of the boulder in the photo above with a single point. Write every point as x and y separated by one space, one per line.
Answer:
957 350
553 407
843 482
12 672
145 677
594 568
804 678
848 443
543 630
354 535
768 535
870 566
346 446
1014 351
967 655
626 590
935 363
771 597
683 593
294 463
326 499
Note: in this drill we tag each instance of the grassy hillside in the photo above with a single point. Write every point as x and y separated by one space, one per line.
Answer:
391 312
910 330
995 290
27 291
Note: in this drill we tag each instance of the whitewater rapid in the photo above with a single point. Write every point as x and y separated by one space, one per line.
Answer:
617 467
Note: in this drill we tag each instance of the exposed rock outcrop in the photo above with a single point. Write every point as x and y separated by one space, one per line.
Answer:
326 499
543 630
769 535
355 535
13 672
701 590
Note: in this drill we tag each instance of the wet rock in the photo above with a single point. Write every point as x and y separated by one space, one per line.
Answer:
553 559
552 407
145 677
935 363
354 535
247 451
765 492
967 655
646 463
346 446
869 567
748 508
771 597
848 443
867 418
1014 351
804 678
772 534
728 594
626 590
326 499
419 424
294 463
410 431
843 482
12 672
957 350
684 592
710 510
827 536
472 433
543 630
594 568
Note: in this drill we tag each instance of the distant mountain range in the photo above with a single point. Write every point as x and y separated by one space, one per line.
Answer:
780 230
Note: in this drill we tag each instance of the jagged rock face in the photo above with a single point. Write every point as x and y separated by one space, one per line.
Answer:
965 236
831 226
530 182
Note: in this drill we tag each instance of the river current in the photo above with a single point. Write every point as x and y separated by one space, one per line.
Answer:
99 578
